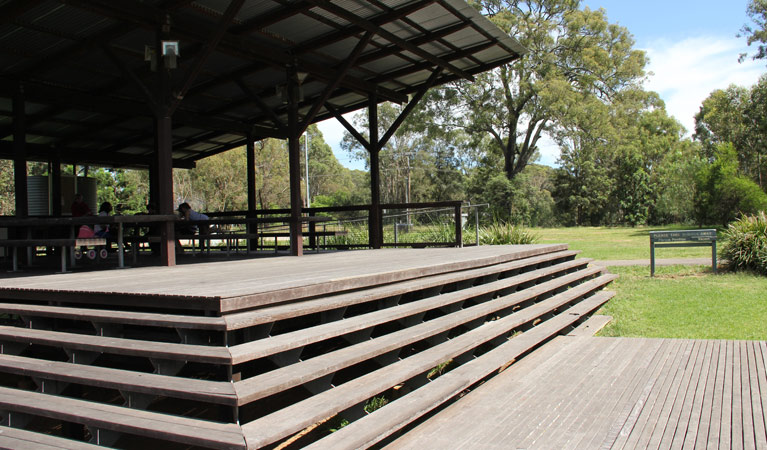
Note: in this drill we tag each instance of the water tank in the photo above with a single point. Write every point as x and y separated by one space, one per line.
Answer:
38 195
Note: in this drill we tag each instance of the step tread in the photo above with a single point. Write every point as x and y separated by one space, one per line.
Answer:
115 316
275 426
290 310
120 346
144 423
284 342
292 375
218 392
387 420
19 439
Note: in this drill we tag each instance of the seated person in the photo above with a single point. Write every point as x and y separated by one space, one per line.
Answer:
187 213
79 207
102 230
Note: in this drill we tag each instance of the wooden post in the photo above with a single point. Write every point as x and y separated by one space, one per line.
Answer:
20 152
375 224
251 174
251 228
294 164
164 154
458 226
55 171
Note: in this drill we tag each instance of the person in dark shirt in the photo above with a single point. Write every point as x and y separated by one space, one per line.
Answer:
79 207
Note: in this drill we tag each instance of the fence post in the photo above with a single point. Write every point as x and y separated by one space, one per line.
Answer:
476 222
458 226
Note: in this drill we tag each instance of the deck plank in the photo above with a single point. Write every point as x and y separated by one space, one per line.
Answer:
685 397
757 378
635 403
647 422
688 432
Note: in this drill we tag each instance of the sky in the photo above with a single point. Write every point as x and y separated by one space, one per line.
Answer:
692 49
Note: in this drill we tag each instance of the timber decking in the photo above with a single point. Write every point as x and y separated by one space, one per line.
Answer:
612 393
268 362
237 285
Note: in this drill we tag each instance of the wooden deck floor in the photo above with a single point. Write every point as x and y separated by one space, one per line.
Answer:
247 283
612 393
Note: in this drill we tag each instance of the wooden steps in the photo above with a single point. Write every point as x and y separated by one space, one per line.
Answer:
287 421
18 439
265 367
99 416
220 392
387 420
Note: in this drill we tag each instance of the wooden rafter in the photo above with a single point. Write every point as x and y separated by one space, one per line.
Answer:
391 37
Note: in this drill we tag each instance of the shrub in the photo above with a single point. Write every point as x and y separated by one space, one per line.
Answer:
746 244
502 233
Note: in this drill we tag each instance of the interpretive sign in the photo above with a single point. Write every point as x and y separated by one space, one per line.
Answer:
682 238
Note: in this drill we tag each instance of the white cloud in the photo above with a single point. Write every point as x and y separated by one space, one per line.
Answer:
685 72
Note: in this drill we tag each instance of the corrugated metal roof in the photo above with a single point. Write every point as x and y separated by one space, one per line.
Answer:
85 80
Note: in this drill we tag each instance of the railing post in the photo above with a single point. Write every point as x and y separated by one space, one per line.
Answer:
476 223
458 226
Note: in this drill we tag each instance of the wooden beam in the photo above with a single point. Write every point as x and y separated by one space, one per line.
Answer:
129 74
405 45
354 30
409 108
349 127
209 45
342 71
71 155
198 30
272 17
261 104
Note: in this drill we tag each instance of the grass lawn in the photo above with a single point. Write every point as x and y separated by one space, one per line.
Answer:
687 302
617 242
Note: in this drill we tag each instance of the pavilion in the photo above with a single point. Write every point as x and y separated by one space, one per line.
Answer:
159 84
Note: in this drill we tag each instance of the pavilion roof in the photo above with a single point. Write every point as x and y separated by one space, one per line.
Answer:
89 91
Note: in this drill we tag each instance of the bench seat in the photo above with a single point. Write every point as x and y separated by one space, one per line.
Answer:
50 242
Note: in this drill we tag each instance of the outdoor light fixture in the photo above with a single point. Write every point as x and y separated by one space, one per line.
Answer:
170 53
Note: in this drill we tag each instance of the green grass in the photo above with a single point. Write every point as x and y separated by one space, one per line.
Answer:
687 302
617 242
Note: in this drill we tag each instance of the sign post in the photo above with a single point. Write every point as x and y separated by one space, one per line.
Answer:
683 238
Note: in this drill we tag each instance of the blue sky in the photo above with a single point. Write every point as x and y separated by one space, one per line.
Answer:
692 47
